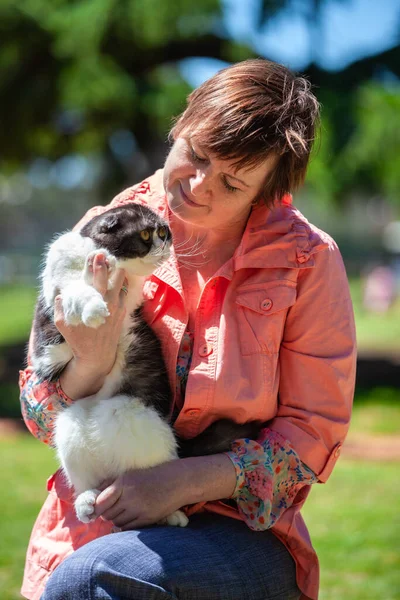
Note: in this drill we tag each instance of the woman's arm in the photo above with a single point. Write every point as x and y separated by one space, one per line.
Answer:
317 361
145 496
317 376
263 491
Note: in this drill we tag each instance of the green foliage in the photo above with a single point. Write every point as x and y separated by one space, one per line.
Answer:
372 155
101 58
114 65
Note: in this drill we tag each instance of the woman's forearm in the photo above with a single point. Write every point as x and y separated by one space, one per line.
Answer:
206 478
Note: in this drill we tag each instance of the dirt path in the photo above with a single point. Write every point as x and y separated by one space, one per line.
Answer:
372 447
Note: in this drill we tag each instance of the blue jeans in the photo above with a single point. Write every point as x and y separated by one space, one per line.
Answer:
213 558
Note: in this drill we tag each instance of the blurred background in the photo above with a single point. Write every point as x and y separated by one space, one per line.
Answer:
88 91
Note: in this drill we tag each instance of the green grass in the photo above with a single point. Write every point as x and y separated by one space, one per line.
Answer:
375 332
25 466
355 528
16 310
376 412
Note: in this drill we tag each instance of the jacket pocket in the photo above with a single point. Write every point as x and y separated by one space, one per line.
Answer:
261 314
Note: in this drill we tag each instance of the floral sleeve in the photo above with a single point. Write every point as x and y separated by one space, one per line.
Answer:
41 401
269 474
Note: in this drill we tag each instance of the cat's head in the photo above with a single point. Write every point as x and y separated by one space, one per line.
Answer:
139 239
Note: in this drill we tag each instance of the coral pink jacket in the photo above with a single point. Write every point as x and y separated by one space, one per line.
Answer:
274 340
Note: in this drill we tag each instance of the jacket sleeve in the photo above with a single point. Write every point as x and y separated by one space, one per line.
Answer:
40 403
317 378
269 475
42 400
317 364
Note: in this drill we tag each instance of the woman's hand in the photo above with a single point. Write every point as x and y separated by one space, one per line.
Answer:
141 497
94 350
145 496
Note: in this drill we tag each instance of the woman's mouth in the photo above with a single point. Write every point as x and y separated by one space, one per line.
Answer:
186 199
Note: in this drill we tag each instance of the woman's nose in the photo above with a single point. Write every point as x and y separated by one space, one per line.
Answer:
199 182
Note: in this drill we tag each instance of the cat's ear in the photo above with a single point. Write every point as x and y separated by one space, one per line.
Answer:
108 223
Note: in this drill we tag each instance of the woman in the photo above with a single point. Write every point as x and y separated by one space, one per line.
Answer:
259 325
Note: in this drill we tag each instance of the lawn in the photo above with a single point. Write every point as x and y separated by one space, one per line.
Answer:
376 332
16 310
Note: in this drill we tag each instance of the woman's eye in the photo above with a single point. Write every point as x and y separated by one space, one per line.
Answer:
196 157
162 232
228 186
145 235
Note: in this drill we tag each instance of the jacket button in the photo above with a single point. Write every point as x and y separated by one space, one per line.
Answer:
266 304
193 412
205 350
337 452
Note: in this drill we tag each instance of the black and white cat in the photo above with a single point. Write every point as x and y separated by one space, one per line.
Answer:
125 425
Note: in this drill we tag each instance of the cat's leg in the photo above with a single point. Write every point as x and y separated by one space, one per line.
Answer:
85 489
136 437
84 505
177 519
82 303
79 460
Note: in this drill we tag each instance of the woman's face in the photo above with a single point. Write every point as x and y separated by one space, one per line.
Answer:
208 192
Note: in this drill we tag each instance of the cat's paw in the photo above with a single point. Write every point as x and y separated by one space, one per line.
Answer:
177 519
95 313
84 506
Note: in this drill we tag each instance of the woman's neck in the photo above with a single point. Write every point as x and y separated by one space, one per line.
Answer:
205 249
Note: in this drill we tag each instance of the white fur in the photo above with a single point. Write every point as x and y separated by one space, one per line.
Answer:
101 436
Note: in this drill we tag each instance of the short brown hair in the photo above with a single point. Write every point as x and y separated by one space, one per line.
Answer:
252 110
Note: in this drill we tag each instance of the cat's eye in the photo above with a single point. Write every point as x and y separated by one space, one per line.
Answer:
145 235
162 232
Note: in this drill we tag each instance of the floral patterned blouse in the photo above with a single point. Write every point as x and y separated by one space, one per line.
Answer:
269 473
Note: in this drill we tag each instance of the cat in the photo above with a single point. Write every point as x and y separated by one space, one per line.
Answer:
125 424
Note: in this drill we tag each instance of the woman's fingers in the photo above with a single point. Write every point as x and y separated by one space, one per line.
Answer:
107 499
100 273
116 294
58 313
112 513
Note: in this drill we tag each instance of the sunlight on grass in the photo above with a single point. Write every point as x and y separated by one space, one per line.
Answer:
376 412
375 331
25 466
355 528
16 309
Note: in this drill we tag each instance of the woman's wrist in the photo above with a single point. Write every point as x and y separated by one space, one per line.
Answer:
206 478
80 379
